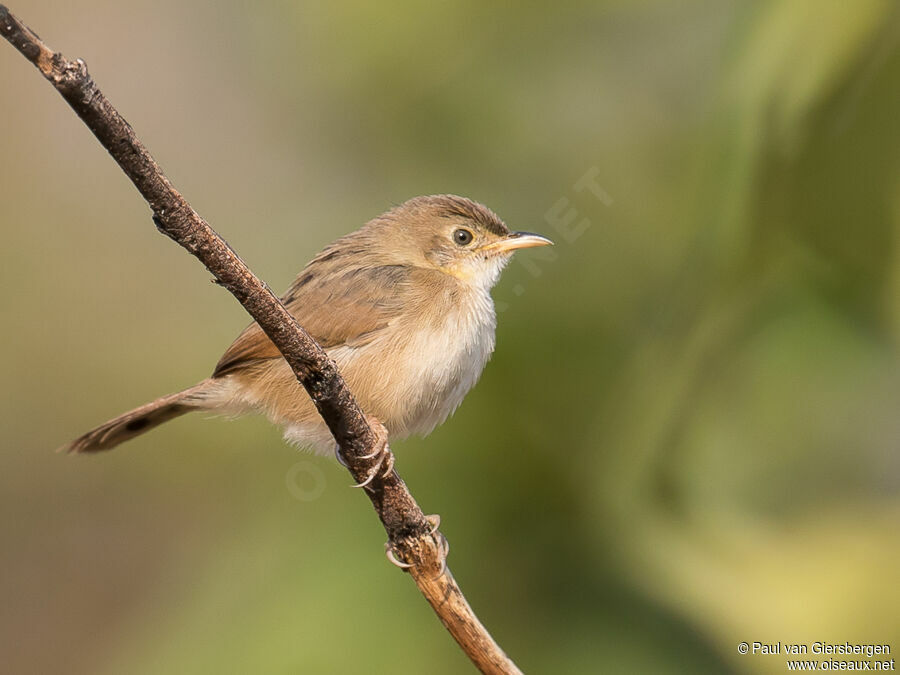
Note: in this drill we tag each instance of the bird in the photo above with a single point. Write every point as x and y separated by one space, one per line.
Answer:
402 306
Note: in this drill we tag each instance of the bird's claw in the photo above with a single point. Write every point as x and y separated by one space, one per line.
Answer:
445 549
434 521
339 456
389 552
385 458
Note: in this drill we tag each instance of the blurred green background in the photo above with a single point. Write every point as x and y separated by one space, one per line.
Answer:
688 434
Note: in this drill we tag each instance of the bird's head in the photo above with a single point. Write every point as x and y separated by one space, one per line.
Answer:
452 234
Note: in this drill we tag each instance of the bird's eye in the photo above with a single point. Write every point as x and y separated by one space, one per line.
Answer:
463 237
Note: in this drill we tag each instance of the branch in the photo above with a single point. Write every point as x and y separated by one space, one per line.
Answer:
411 535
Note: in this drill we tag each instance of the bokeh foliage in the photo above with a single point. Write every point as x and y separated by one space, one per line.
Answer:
688 435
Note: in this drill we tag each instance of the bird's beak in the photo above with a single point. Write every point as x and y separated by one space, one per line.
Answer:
516 240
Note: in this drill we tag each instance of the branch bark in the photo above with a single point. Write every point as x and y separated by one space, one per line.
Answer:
411 535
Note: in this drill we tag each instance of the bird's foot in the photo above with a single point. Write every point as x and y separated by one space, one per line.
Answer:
434 521
383 458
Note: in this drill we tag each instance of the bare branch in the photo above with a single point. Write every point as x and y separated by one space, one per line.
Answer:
411 535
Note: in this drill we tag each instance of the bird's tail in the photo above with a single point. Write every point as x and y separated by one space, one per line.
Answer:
135 422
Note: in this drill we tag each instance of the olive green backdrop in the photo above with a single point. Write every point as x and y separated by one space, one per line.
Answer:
688 434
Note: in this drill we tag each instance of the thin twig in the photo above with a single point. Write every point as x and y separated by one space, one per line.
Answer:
411 536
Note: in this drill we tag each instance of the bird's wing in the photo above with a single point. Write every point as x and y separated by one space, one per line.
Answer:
336 307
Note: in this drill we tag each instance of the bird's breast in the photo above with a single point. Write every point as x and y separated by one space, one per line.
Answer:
423 366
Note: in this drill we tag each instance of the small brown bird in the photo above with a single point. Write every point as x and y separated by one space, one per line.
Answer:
403 307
